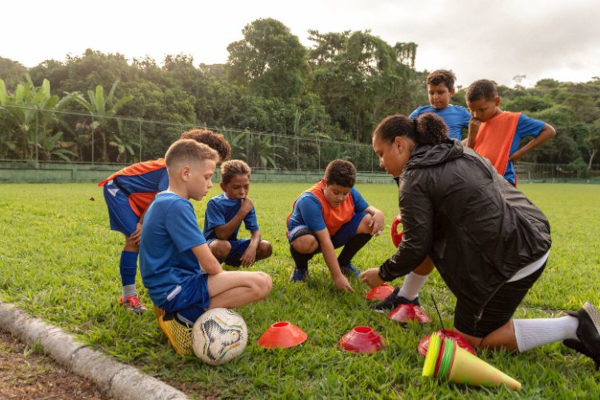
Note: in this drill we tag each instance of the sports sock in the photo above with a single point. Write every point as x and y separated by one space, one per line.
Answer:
532 333
352 247
413 283
129 291
128 269
300 259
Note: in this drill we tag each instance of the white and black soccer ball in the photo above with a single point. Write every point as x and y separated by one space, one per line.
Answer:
219 335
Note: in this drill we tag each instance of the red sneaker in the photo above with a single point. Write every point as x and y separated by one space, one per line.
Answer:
133 304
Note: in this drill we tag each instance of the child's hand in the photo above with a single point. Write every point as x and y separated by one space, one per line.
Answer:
249 256
341 283
371 277
376 223
247 205
474 125
136 236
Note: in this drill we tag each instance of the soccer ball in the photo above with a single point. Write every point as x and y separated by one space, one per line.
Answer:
219 335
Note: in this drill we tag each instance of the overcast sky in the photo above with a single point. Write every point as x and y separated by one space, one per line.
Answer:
498 39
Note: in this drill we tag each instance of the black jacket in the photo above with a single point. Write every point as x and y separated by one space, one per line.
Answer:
476 227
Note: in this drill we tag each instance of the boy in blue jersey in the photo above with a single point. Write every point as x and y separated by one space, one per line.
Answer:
224 215
331 214
497 134
440 89
129 192
182 276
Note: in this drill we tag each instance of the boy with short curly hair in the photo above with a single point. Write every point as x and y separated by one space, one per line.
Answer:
440 89
497 134
224 215
331 214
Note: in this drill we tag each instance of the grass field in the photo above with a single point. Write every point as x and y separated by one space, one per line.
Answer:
59 261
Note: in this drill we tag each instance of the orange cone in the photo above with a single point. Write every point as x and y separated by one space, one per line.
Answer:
282 335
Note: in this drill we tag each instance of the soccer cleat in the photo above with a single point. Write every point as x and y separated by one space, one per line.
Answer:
580 348
393 301
588 332
133 304
299 275
159 312
178 333
350 271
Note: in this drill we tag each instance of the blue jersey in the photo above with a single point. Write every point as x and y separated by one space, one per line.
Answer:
307 210
526 127
456 117
220 210
169 233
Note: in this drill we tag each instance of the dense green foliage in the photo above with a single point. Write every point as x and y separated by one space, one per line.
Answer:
59 262
336 89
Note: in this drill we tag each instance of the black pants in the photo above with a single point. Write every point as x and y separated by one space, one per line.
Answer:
497 312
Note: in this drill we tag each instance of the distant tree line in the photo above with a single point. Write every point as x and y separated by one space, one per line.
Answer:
335 90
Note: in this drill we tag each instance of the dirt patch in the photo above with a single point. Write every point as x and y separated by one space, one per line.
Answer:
29 374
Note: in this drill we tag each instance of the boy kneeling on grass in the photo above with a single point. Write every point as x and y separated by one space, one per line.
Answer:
329 215
182 276
224 215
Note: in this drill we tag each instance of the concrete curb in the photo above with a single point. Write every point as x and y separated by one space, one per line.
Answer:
120 381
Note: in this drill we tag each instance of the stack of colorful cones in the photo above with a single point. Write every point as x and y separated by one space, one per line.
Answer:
449 362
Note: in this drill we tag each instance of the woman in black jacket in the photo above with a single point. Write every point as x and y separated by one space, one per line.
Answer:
487 240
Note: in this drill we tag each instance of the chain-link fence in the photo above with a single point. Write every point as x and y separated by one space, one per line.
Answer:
56 145
38 135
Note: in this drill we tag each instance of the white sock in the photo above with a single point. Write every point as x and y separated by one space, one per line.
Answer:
129 291
413 283
532 333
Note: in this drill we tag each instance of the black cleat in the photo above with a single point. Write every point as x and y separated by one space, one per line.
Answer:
588 333
393 301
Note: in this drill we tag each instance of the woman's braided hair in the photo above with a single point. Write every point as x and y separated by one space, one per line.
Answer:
428 128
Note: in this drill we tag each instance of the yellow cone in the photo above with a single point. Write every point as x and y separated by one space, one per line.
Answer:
472 370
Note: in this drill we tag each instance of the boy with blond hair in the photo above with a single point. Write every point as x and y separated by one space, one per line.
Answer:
128 194
181 274
224 215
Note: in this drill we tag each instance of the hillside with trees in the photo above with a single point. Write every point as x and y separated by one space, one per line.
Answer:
272 92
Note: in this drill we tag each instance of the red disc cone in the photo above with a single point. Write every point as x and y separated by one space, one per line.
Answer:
396 236
362 339
380 292
409 312
283 335
446 334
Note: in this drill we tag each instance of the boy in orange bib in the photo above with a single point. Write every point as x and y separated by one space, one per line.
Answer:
329 215
497 134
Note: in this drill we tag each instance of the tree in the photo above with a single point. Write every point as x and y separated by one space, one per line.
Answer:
270 60
360 78
29 119
11 72
102 109
593 142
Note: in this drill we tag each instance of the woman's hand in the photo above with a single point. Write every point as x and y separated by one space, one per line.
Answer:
371 277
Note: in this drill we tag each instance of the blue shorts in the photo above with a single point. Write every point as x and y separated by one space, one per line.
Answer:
342 236
191 298
122 218
238 247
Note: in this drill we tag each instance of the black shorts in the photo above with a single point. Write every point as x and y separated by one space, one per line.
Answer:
497 312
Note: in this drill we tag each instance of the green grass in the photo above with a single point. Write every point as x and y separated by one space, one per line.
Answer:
59 261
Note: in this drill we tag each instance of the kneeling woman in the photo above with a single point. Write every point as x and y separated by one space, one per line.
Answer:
487 240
